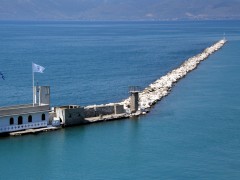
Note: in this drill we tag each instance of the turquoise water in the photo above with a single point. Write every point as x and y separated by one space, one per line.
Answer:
191 134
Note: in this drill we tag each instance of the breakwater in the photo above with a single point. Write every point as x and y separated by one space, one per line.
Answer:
138 103
162 86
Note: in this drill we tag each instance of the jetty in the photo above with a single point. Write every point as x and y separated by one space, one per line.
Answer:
162 86
34 131
139 102
41 118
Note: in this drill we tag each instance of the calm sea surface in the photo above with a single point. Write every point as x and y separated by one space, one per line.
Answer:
194 133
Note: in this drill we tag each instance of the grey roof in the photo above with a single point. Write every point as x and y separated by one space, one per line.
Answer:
23 109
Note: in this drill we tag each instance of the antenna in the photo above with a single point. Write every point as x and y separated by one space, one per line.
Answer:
224 36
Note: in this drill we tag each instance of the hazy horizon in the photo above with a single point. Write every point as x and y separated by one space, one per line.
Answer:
119 10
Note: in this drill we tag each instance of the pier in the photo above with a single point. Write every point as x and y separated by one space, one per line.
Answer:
138 103
34 131
162 87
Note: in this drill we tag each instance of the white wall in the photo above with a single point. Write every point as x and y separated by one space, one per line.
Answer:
36 122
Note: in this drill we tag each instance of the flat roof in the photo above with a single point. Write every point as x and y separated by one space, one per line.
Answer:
69 107
23 109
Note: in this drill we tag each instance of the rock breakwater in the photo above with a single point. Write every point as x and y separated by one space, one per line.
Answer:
162 87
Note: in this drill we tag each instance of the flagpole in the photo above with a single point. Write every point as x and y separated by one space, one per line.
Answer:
33 83
39 69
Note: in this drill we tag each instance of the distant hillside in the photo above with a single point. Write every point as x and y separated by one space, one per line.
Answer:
119 9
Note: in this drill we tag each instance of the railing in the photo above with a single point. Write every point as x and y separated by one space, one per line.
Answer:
13 128
134 88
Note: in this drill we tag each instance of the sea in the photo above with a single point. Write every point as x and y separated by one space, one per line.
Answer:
193 133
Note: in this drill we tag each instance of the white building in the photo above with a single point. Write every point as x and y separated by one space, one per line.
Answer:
28 116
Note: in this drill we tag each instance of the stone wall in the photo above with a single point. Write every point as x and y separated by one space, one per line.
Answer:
119 109
103 110
74 116
89 112
70 115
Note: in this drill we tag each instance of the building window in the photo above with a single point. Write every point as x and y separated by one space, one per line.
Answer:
11 121
29 118
20 120
43 117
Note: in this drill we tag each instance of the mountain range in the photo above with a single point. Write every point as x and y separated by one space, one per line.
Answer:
119 9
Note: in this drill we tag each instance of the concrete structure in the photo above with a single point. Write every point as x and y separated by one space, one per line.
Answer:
118 109
22 117
74 115
70 115
134 98
107 118
42 95
102 110
27 117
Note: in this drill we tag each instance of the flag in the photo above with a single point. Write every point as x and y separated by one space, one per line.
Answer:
1 74
37 68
